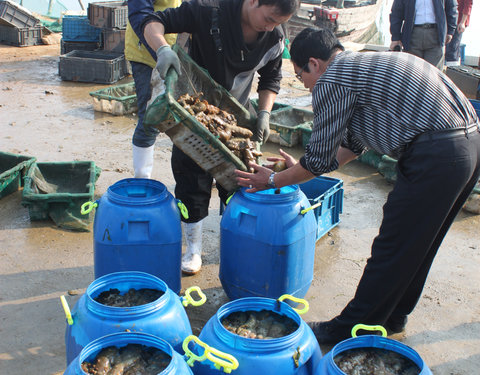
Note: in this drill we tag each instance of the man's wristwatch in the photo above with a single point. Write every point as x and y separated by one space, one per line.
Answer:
271 181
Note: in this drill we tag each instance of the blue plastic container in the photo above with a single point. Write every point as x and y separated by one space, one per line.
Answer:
326 193
297 353
137 228
267 245
328 366
177 365
78 29
165 317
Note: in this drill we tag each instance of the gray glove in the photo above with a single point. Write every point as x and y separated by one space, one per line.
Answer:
262 128
167 59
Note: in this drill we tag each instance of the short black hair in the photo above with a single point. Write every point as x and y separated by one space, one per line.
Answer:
317 43
286 7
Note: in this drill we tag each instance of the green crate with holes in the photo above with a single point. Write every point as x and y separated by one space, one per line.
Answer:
57 191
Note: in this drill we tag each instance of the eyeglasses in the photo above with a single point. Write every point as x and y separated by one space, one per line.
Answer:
299 74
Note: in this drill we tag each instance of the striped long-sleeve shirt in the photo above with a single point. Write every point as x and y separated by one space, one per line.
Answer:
379 101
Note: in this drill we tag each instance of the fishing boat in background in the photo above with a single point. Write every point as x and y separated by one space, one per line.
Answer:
351 20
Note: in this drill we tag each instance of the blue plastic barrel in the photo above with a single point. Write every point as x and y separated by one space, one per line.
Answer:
328 366
177 365
165 317
297 353
267 245
137 228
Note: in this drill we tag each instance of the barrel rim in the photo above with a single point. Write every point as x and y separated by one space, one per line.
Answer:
122 199
263 197
257 304
379 342
142 338
109 280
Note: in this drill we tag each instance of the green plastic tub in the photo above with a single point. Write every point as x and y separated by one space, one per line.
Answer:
57 191
288 123
276 106
12 170
118 100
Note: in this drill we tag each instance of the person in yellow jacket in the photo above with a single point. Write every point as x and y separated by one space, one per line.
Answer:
143 59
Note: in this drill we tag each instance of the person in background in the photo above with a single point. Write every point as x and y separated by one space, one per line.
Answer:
452 51
399 105
143 59
232 40
423 27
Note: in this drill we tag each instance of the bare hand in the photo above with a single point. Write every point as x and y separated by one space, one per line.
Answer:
289 160
256 181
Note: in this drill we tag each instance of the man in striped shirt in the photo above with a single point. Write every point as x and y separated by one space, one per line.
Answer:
399 105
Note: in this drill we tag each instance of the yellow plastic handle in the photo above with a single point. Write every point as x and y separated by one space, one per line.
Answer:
183 209
188 300
228 199
368 328
298 300
305 210
219 359
87 207
66 308
192 357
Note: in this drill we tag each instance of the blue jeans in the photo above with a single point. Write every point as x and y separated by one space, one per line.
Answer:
452 50
141 75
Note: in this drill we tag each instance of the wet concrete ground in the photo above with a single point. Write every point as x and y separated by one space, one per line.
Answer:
42 116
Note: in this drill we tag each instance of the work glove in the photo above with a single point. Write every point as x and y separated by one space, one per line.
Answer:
262 127
157 87
167 59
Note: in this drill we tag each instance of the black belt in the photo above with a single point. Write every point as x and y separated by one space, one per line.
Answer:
427 25
447 133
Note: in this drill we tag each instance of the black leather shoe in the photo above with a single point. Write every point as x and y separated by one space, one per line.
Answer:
396 324
330 332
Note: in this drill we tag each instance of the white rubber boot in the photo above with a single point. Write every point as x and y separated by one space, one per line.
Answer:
143 161
192 259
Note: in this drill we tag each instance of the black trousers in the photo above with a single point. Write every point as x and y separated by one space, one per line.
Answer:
434 179
193 186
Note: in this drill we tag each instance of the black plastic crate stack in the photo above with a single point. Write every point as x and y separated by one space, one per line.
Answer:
18 27
107 63
111 17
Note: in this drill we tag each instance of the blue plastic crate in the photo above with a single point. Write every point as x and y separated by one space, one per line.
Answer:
78 29
328 192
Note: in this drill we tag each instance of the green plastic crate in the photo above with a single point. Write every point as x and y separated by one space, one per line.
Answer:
57 191
167 115
117 100
276 106
306 130
289 122
12 169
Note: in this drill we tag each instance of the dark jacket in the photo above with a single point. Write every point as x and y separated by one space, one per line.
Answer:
235 65
402 19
